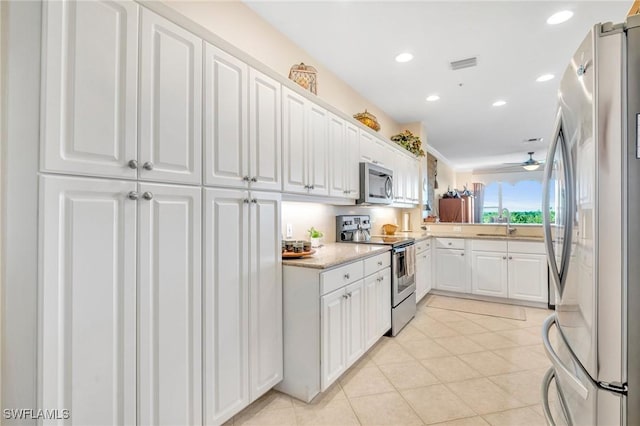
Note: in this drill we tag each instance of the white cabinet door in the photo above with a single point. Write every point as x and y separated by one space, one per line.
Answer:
318 149
399 177
372 304
489 277
265 144
226 131
265 294
339 152
169 305
90 69
451 270
352 163
384 301
88 299
367 147
528 279
354 322
423 272
226 303
170 102
294 145
428 284
413 180
332 336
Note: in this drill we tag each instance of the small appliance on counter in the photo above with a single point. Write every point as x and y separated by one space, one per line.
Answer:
357 229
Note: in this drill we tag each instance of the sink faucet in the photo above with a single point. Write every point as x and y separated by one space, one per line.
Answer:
507 213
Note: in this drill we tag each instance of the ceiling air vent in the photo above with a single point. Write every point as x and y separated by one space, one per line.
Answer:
464 63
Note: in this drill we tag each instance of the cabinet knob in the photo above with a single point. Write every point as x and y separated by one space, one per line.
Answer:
424 257
147 195
148 165
133 195
380 263
449 243
344 296
254 200
246 201
254 179
312 187
245 178
381 278
504 257
510 258
346 276
133 164
461 254
349 294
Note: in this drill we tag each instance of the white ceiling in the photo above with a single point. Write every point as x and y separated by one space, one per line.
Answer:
358 41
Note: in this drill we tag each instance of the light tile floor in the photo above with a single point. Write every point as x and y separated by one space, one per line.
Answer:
446 368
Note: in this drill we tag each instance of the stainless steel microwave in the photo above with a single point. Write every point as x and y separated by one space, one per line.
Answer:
376 184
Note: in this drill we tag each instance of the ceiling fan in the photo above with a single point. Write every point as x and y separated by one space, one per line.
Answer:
530 164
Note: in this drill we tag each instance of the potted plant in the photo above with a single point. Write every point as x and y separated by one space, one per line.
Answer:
315 236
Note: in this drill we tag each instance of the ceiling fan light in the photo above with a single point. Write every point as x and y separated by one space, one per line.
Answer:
531 167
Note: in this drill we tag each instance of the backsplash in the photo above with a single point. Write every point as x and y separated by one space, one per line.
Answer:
303 216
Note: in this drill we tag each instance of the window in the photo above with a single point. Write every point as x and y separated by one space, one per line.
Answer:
523 199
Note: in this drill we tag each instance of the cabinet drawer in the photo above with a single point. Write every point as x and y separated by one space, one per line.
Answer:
453 243
489 245
375 263
423 245
341 276
532 247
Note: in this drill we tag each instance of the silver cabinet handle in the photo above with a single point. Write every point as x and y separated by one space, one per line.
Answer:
344 296
133 164
148 165
312 187
245 178
147 195
133 195
380 263
254 179
347 276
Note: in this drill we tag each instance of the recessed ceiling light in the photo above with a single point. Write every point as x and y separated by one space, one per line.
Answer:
545 77
560 17
404 57
499 103
432 98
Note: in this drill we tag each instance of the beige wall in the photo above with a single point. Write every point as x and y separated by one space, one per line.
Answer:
237 24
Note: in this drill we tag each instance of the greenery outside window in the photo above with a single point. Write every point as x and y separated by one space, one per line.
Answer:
523 199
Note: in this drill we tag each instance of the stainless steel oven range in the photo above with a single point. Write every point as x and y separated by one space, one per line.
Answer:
357 229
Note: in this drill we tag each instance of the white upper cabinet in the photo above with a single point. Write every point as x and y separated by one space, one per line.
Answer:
169 305
294 143
352 174
265 135
226 125
170 102
318 149
88 299
344 155
89 99
305 147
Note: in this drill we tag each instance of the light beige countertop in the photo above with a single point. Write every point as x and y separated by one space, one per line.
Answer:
333 254
423 235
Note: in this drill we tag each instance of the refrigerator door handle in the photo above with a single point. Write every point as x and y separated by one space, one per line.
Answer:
546 382
573 381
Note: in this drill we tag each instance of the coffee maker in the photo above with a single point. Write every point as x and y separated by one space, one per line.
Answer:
351 228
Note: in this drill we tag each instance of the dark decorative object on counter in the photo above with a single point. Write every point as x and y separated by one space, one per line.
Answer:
410 142
306 76
368 120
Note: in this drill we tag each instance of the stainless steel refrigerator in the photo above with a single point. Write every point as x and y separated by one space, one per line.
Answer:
592 233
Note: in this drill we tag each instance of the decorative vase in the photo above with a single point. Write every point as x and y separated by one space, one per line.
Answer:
315 242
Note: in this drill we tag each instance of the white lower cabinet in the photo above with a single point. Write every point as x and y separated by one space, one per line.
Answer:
103 322
331 317
528 279
242 299
452 270
424 270
489 273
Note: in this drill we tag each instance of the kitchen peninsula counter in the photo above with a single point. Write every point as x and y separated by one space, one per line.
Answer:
334 254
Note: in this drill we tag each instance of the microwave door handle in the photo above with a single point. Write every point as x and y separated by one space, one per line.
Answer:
388 186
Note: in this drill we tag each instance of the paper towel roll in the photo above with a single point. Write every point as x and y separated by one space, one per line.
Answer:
406 221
